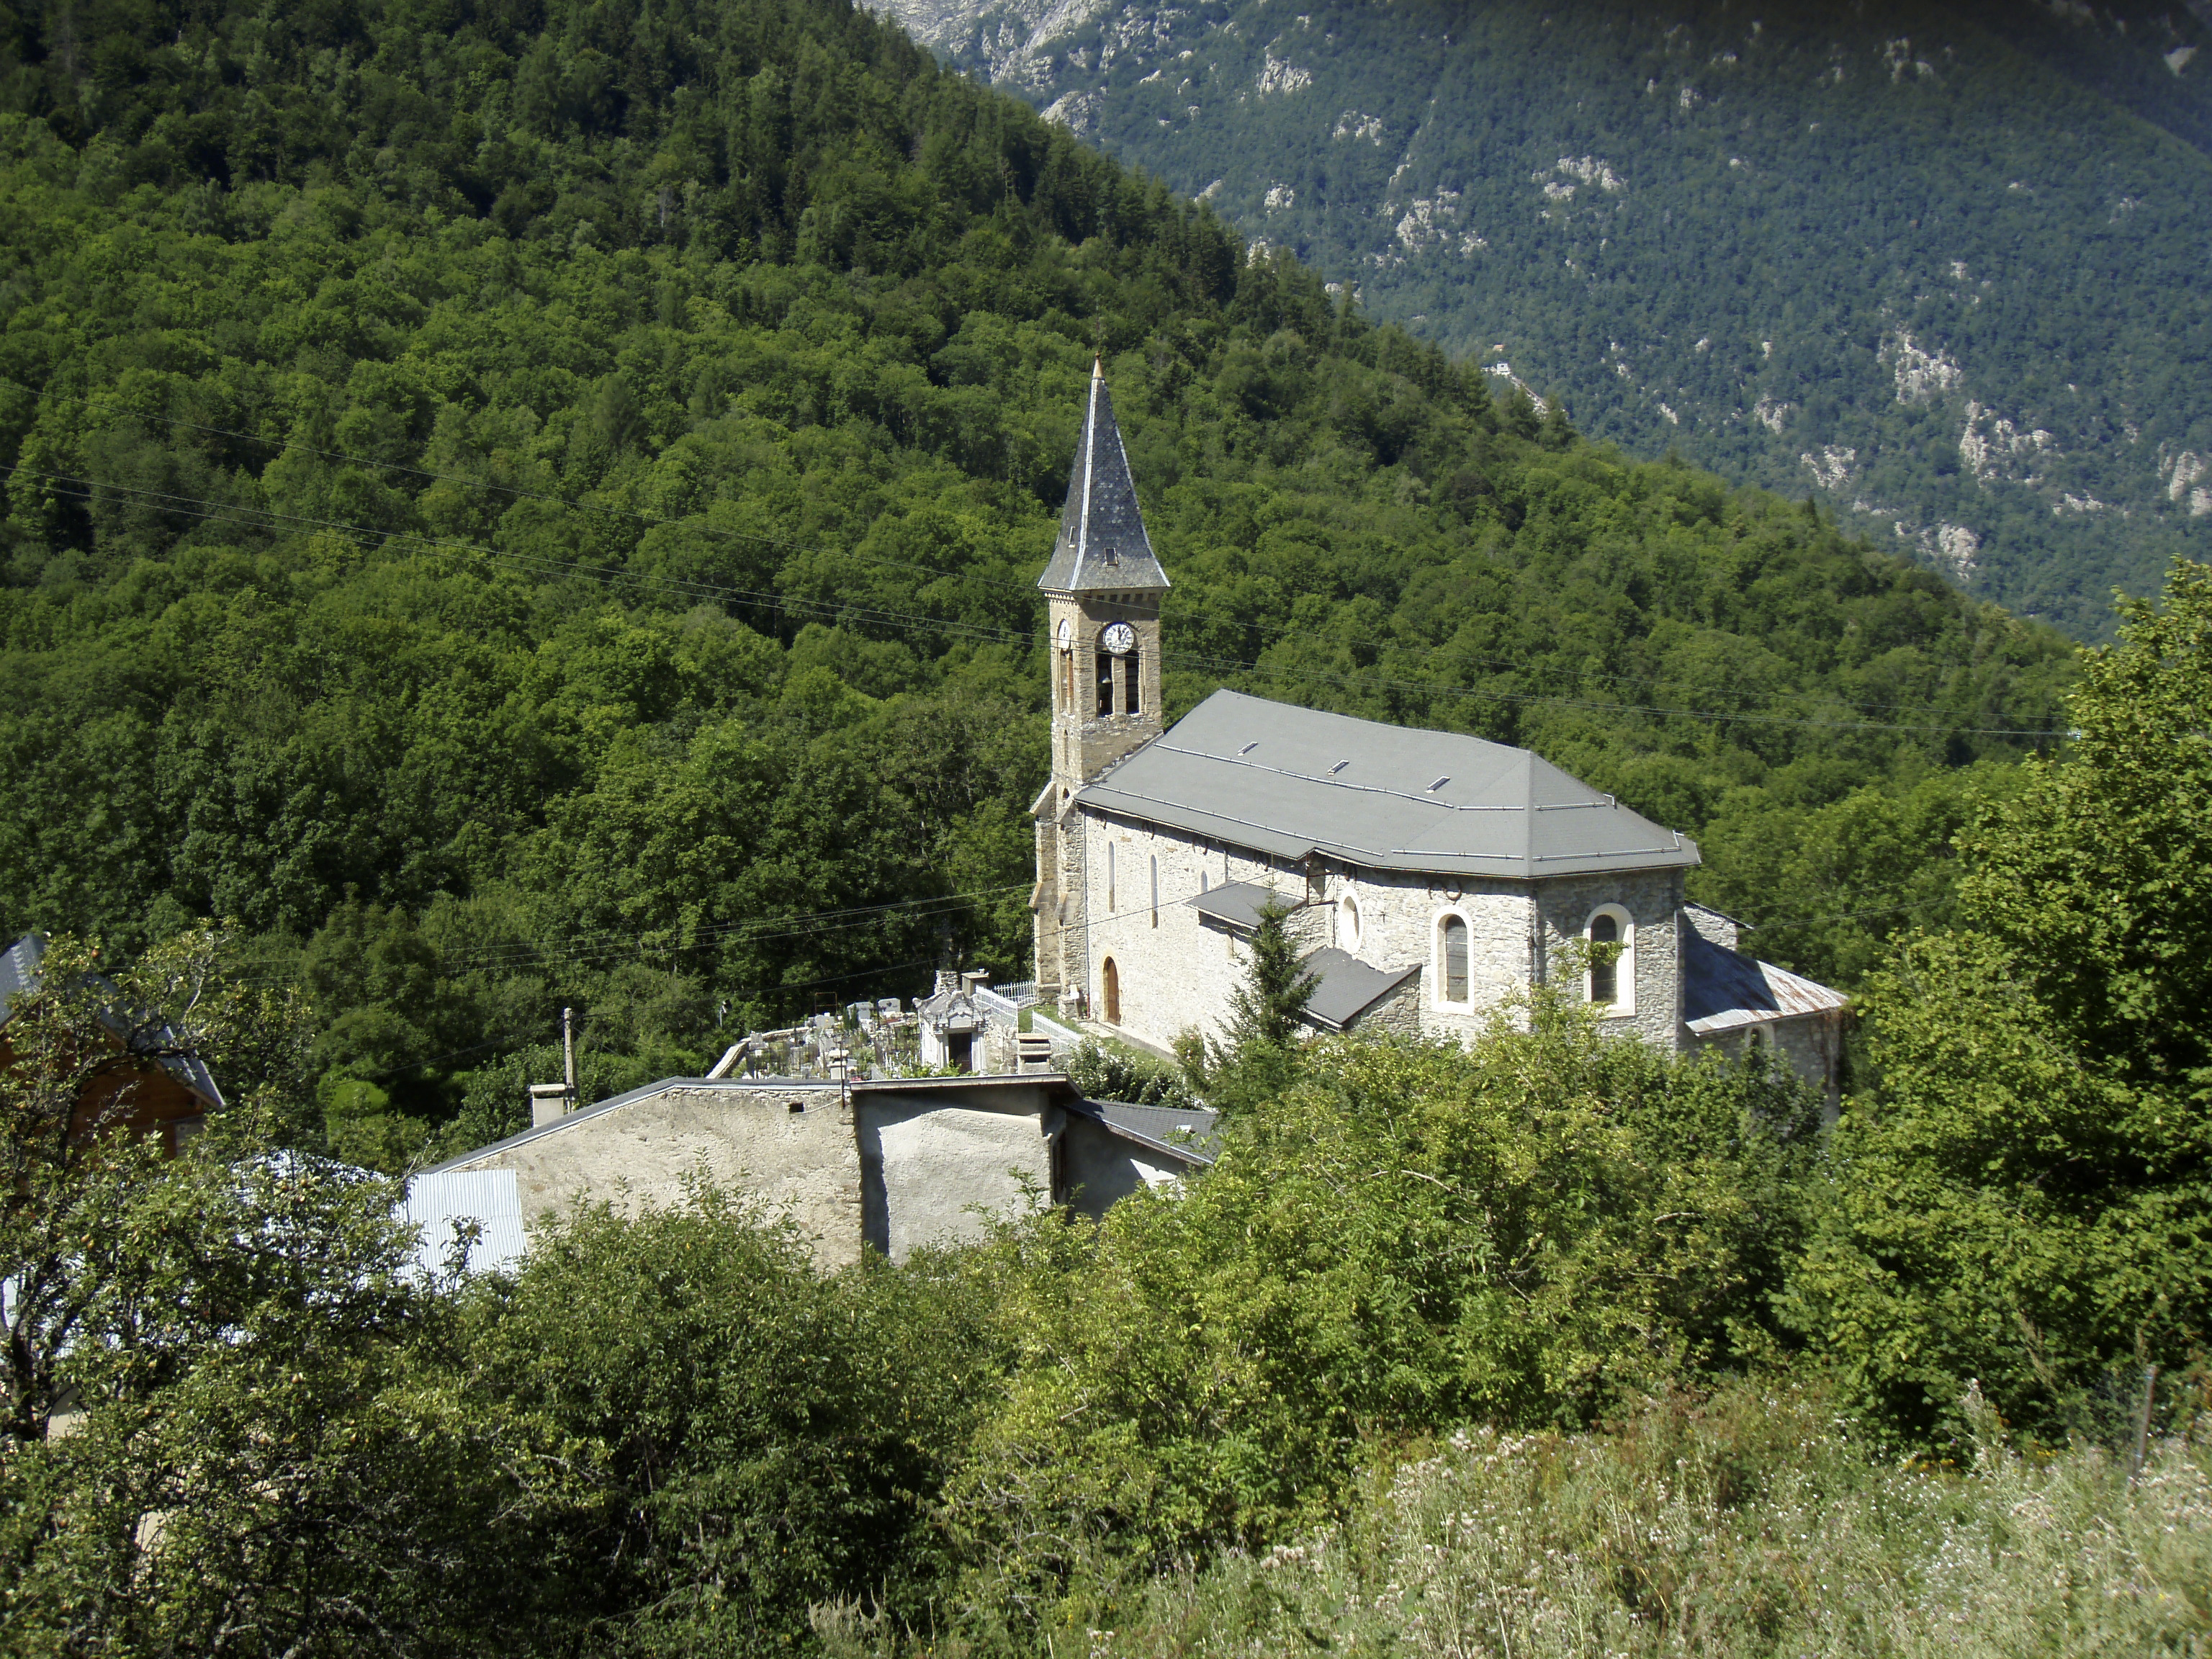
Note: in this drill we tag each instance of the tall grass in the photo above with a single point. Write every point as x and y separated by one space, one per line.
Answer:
1751 1523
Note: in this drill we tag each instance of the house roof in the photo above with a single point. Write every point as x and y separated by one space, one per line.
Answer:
1724 990
1348 986
21 973
1289 781
441 1201
1103 546
1185 1132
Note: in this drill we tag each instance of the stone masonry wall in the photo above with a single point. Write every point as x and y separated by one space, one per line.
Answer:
1653 899
1177 972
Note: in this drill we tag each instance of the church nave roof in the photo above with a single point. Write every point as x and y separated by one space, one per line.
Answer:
1288 780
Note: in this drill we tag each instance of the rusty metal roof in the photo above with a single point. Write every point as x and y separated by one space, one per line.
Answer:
1724 990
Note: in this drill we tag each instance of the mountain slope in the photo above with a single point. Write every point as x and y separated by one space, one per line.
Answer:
1950 268
523 515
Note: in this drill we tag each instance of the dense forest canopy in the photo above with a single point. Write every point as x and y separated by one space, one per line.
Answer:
512 509
1942 266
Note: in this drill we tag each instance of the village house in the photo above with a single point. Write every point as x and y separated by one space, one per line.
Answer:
145 1084
892 1164
1429 875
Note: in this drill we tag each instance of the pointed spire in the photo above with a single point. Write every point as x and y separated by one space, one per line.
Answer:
1103 546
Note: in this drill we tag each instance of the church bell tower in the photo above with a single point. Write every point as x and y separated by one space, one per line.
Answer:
1103 591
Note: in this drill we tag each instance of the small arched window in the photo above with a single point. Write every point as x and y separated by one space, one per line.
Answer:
1348 923
1451 959
1611 973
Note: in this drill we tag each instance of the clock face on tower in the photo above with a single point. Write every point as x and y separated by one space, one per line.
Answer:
1120 639
1066 634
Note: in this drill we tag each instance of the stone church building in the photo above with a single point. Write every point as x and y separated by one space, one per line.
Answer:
1429 874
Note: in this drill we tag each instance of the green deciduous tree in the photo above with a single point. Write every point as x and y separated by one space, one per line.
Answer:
1407 1236
2024 1197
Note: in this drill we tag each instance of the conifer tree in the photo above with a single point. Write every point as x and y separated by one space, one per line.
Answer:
1265 1008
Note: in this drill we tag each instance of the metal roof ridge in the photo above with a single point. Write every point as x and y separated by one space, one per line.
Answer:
1225 818
1423 800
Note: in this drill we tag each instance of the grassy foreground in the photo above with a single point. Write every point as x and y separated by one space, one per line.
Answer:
1755 1523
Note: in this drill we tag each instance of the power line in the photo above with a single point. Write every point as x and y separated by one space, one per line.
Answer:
906 621
1280 632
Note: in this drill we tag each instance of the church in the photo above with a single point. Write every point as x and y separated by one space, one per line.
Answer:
1428 874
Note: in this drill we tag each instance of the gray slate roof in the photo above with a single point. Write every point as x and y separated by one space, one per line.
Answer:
1187 1131
1238 904
1347 986
1286 780
1103 546
1724 990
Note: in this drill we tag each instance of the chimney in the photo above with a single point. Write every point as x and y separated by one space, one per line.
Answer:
548 1104
947 980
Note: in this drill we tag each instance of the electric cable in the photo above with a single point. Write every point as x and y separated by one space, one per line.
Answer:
910 621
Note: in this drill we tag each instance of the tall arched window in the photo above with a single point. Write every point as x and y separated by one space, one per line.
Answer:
1348 923
1109 981
1131 666
1612 974
1105 683
1156 890
1451 959
1605 967
1110 875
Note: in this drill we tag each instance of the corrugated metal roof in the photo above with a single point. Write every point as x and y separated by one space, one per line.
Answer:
1347 986
1187 1132
1103 546
1289 781
440 1201
1724 990
20 974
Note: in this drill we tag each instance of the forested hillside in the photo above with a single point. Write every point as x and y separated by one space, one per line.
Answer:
517 511
1947 267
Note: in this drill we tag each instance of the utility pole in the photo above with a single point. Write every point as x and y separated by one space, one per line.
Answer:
569 1053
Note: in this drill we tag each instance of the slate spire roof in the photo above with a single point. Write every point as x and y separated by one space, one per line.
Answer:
1103 546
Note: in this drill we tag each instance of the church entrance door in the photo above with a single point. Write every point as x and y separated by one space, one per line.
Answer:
1112 977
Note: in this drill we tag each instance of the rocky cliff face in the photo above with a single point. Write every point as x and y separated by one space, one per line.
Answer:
1948 269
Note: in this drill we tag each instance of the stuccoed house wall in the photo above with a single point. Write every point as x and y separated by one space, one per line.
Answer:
893 1165
790 1144
932 1158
